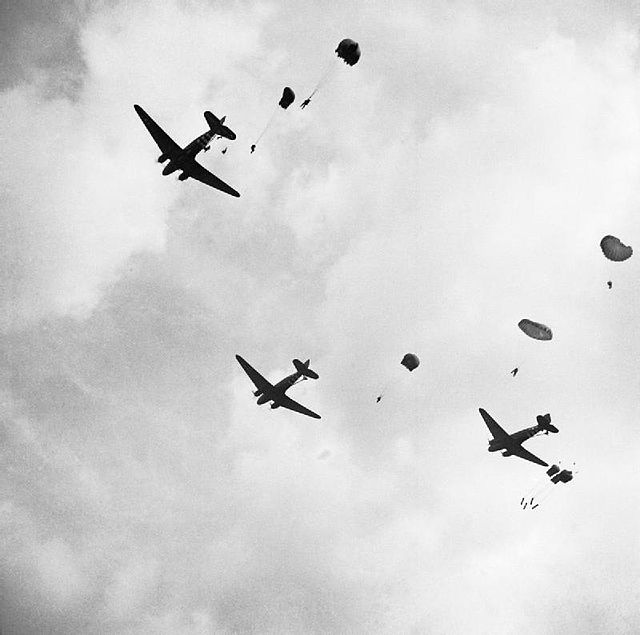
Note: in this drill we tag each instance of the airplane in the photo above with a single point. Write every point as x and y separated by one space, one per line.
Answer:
512 443
184 158
276 393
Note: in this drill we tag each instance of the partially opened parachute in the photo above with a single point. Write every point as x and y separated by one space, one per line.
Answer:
287 98
285 101
349 51
535 330
410 361
614 249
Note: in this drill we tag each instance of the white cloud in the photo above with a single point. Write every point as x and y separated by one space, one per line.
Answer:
456 180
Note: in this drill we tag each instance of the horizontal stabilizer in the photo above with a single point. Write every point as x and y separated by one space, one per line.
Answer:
304 370
544 421
217 125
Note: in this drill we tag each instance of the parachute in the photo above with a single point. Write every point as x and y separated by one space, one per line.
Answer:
287 98
285 101
349 51
553 470
410 360
535 330
562 477
614 249
546 486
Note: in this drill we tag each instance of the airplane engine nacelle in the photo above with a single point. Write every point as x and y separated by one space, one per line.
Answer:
183 177
257 393
274 406
162 158
506 453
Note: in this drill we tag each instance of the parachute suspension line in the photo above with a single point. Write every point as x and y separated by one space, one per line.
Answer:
385 388
538 488
273 114
542 496
326 75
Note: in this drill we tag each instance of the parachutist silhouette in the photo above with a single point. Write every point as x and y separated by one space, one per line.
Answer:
514 372
609 284
305 103
378 398
253 148
225 151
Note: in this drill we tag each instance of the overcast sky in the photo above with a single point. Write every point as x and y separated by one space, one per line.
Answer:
458 179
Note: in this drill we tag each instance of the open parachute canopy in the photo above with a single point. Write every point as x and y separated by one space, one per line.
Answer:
562 477
535 330
349 51
287 98
615 250
410 361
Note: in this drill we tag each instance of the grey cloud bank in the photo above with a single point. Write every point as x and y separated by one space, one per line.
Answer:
458 179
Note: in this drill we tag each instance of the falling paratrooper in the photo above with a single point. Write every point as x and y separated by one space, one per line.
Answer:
348 51
540 494
534 330
410 361
614 249
287 98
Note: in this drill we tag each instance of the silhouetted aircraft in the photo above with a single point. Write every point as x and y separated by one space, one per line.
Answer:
276 393
184 158
512 443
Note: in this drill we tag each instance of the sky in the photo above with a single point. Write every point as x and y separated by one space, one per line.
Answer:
458 179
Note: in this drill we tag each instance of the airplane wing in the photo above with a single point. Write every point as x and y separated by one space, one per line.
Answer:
197 172
260 382
525 454
164 141
287 402
492 424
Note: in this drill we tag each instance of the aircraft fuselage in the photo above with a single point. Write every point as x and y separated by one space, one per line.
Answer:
279 389
189 152
514 440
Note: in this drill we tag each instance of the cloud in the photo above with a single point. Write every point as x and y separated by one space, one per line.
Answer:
76 201
456 180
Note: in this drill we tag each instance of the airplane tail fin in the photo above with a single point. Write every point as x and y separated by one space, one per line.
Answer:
544 421
304 370
217 125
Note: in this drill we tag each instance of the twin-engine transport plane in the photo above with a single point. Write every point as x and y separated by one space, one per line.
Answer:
276 393
185 158
512 443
